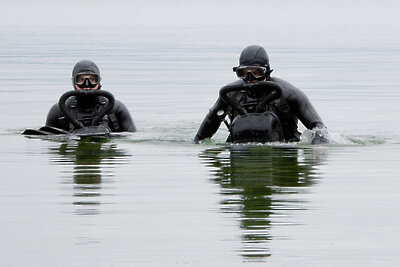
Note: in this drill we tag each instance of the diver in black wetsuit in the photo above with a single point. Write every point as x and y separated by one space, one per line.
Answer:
85 107
289 107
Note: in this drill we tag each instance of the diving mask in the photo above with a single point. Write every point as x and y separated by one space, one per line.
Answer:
256 71
86 80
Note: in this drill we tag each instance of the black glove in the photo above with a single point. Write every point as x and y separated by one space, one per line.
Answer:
319 136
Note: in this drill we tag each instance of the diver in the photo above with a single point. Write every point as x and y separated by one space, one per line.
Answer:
283 112
85 107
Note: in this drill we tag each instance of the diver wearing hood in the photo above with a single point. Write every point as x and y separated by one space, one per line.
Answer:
291 106
85 107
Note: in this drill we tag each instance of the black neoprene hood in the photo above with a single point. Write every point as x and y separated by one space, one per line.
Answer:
85 67
254 55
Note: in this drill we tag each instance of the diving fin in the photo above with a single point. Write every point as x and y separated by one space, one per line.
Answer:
53 130
35 132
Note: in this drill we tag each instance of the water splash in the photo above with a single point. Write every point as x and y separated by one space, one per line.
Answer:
335 138
184 135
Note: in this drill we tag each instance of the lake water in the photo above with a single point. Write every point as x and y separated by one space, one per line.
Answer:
153 198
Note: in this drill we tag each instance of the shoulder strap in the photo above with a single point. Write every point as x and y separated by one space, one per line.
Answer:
114 121
283 105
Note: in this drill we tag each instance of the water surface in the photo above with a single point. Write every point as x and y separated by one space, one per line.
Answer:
153 198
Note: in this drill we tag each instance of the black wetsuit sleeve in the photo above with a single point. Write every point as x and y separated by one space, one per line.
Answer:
310 118
300 105
212 121
305 111
124 118
53 117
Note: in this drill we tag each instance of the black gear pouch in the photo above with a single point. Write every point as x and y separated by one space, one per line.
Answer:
256 127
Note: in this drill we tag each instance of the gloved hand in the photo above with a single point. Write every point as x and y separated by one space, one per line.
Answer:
319 136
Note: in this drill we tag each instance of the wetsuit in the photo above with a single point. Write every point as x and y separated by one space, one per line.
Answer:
85 109
293 105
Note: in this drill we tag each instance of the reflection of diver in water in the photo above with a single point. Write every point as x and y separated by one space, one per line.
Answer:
91 161
252 179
